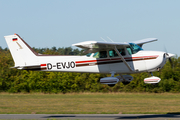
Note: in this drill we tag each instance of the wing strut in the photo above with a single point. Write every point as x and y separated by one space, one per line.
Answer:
122 58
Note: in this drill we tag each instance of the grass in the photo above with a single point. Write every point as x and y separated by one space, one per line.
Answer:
90 103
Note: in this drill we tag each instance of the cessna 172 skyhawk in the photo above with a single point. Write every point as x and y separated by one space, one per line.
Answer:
103 57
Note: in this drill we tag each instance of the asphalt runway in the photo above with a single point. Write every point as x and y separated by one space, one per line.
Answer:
92 116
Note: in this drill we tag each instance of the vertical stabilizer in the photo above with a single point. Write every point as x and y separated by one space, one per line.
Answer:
21 52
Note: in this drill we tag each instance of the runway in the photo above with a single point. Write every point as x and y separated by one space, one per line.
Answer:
92 116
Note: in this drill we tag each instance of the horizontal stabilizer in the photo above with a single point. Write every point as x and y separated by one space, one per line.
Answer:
32 67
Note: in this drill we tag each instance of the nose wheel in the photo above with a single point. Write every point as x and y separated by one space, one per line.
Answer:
152 80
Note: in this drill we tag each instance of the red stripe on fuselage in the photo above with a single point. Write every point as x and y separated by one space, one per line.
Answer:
43 65
89 61
127 58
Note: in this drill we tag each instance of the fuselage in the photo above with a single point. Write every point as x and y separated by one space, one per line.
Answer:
142 61
102 57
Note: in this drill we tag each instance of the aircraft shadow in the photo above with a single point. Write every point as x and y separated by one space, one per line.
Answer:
174 113
151 116
121 116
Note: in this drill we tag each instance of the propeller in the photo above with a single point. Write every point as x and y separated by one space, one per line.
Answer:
168 56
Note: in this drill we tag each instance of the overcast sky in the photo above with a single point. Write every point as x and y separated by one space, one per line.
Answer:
61 23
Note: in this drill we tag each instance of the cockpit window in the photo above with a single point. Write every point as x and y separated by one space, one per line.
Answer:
101 54
133 48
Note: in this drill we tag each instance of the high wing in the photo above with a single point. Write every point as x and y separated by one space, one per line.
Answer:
96 44
143 41
93 46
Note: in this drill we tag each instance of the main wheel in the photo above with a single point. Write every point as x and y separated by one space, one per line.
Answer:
111 85
125 83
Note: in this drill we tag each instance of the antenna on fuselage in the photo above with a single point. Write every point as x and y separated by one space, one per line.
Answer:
110 39
103 39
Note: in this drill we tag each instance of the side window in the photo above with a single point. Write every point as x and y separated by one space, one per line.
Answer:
112 53
101 54
122 51
96 55
129 50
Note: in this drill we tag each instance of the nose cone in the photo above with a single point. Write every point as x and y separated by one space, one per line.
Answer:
169 55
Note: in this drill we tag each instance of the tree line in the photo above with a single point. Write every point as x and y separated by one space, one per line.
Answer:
14 81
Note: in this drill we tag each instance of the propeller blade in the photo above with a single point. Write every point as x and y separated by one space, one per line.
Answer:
168 56
170 60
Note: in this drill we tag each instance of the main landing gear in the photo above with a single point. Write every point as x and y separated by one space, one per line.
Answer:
111 81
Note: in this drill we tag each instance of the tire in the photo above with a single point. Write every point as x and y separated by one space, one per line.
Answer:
111 85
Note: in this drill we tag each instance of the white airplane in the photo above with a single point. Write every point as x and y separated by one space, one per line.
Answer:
103 57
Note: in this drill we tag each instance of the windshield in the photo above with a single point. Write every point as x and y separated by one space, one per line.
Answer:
134 48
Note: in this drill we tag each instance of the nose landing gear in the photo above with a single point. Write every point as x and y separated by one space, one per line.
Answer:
152 79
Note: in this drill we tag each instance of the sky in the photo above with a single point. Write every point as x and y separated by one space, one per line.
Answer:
61 23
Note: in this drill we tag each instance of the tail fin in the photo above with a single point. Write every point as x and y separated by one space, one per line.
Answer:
22 53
